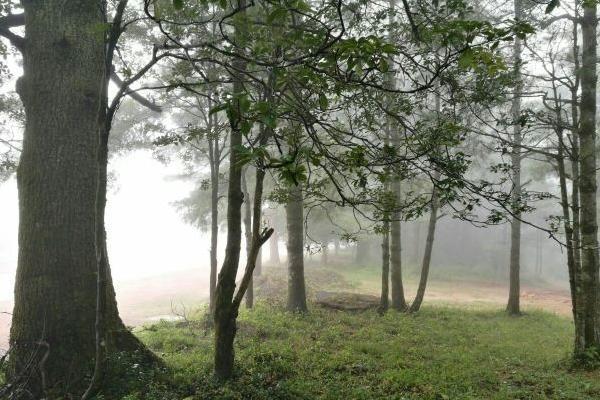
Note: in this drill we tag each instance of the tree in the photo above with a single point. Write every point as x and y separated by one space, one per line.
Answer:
294 209
60 177
590 284
398 300
513 306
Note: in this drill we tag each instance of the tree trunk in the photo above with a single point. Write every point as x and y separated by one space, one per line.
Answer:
53 327
248 234
514 294
361 257
325 254
587 183
385 269
295 249
398 299
225 314
214 222
259 264
433 216
418 241
575 274
274 257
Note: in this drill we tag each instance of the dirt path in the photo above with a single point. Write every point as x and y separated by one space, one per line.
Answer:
548 299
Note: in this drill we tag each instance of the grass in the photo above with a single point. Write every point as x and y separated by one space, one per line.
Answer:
440 353
443 352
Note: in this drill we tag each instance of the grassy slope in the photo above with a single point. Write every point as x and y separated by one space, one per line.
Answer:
443 352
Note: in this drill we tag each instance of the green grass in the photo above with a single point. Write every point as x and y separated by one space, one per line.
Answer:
440 353
443 352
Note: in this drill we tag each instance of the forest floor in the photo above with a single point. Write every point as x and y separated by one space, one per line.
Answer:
440 353
461 345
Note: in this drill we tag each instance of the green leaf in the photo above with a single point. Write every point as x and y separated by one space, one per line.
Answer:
178 4
323 102
277 14
466 59
552 5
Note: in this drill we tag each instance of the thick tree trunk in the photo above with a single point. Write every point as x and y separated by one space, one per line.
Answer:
295 249
433 217
587 184
514 294
53 327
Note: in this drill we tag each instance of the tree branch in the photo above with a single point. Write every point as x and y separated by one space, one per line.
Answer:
250 265
133 94
12 21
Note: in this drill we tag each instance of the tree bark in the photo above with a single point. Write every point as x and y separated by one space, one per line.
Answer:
575 274
259 264
295 249
588 186
248 235
214 212
59 178
433 217
398 299
514 294
225 314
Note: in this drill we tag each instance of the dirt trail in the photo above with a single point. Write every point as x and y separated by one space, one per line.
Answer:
549 299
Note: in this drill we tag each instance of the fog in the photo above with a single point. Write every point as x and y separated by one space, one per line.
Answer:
148 238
